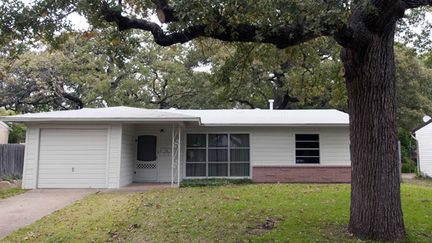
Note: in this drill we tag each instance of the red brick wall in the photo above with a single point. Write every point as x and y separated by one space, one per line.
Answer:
302 174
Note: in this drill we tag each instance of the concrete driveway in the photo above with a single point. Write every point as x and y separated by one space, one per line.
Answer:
24 209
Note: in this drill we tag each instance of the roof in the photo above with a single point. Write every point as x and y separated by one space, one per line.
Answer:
120 113
268 117
2 124
233 117
422 126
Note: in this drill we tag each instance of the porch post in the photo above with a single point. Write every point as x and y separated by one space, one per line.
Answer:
172 155
179 156
175 155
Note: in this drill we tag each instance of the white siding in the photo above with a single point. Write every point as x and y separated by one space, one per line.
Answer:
114 156
4 135
128 152
270 146
30 157
31 160
275 146
424 138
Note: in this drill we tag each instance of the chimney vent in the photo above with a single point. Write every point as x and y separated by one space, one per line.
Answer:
271 104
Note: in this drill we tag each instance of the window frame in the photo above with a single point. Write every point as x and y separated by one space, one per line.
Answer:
228 148
319 148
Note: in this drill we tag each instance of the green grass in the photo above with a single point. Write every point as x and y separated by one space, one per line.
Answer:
5 193
258 213
421 181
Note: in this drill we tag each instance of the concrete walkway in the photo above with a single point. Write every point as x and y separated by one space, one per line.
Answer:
22 210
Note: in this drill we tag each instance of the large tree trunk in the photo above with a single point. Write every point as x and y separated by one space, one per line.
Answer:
376 211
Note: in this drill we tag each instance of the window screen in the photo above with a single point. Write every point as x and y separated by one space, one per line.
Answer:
307 149
146 150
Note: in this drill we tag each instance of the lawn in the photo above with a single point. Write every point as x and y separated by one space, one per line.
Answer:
258 213
5 193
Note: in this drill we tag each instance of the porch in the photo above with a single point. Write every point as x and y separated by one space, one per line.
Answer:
151 154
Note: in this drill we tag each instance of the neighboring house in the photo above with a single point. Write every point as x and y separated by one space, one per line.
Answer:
113 147
423 136
4 133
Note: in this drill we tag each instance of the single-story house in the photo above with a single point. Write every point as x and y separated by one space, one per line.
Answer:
4 133
423 135
113 147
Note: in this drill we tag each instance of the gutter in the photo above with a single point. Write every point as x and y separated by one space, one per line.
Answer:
274 125
5 126
108 119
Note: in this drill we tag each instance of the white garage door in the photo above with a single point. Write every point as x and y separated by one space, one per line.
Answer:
73 158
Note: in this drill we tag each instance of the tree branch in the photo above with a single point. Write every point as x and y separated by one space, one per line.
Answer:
164 12
282 37
417 3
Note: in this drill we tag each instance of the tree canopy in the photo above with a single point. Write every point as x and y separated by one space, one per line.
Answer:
302 36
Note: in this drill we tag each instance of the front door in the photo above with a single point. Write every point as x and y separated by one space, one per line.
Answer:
146 164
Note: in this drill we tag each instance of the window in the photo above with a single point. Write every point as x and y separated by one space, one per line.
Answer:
307 149
146 148
196 155
217 155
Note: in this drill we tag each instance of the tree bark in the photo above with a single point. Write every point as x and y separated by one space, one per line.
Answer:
376 211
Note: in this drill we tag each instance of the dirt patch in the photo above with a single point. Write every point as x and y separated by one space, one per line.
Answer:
10 184
338 232
263 227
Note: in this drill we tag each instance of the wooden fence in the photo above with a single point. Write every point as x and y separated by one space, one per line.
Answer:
11 159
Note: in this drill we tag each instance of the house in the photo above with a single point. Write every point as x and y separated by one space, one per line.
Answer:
113 147
423 135
4 133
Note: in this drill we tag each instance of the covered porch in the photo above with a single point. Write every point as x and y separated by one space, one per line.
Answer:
151 153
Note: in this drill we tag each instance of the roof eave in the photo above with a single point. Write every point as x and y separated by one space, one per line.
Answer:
421 126
34 120
276 124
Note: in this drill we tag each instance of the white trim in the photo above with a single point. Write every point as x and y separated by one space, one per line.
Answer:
172 155
179 156
36 179
275 124
25 166
109 133
109 119
5 126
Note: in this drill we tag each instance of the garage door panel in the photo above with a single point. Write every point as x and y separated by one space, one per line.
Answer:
86 176
73 158
54 166
77 171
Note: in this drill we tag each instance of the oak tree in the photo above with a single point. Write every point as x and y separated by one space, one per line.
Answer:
365 30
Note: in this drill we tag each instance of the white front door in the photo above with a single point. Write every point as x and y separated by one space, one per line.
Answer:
146 165
146 171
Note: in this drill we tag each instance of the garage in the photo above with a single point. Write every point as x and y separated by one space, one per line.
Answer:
72 158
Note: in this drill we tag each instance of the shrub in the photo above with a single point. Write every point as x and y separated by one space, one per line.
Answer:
409 167
213 182
10 177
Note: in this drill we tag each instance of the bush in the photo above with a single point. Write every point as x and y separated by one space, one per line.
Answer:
213 182
10 178
409 167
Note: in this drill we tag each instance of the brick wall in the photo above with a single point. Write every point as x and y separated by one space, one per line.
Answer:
302 174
